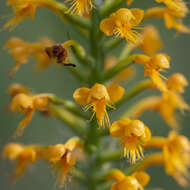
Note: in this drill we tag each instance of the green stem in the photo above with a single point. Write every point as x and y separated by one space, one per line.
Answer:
110 156
143 85
111 7
124 63
75 123
113 43
79 52
78 174
85 60
152 159
69 105
79 74
128 48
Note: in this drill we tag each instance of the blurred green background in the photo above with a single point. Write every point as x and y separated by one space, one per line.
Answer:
44 130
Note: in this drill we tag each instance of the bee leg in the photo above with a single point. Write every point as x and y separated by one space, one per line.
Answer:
69 64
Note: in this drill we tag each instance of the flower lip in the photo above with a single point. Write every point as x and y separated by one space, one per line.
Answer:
161 61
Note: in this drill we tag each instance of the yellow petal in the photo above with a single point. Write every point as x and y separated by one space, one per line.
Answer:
142 177
138 14
22 125
147 135
73 143
115 92
116 130
151 40
82 96
99 91
116 174
169 20
107 26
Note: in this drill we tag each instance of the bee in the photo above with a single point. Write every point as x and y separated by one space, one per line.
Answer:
59 53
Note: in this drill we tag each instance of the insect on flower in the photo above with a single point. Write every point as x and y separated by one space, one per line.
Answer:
59 53
21 51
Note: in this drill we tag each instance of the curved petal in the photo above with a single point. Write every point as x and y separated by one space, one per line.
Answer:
107 26
115 92
169 21
147 135
138 14
116 130
82 96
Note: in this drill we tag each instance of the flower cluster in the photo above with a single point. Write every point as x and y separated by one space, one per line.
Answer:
101 75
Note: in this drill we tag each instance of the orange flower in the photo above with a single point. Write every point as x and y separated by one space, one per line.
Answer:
176 83
168 105
21 52
62 157
173 14
170 101
133 134
151 42
177 157
27 104
23 9
123 23
152 66
16 88
134 182
98 97
24 155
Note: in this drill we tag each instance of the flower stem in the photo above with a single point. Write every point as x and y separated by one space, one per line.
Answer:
75 123
79 52
152 159
110 156
113 43
143 85
69 105
78 174
124 63
156 142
